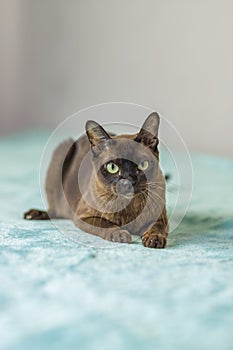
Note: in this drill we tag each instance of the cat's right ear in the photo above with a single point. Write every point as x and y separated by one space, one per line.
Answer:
96 134
148 135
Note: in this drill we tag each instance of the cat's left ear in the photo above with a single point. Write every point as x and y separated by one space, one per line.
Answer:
95 133
148 135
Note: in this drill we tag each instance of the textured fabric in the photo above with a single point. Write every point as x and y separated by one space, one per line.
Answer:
57 292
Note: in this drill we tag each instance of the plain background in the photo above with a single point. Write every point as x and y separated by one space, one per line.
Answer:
173 56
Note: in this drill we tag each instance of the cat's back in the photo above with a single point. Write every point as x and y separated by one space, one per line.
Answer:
62 188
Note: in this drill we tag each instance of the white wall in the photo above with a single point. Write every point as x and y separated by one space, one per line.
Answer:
10 65
175 56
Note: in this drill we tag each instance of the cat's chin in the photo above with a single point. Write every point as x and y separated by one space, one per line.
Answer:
122 196
127 196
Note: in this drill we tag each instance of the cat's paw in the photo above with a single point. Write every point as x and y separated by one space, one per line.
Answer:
35 214
118 235
154 240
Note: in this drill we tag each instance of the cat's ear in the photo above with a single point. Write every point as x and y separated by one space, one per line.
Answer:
95 133
148 135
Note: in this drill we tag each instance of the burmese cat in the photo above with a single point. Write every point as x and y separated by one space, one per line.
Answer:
110 186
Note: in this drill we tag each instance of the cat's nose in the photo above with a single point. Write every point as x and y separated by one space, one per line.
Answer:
124 186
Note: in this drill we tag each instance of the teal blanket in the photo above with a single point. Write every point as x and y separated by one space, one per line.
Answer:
57 292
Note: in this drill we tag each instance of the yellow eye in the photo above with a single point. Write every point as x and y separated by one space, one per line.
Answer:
112 168
143 165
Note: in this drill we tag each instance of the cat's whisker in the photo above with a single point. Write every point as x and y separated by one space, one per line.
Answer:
155 182
163 189
154 185
154 195
171 184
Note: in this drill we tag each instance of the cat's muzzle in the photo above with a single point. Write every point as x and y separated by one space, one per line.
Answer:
124 187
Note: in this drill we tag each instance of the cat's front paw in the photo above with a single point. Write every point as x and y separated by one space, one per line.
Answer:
154 240
118 235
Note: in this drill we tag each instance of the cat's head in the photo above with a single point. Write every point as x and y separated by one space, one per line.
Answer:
125 164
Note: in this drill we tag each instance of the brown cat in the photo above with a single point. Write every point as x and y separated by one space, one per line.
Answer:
110 186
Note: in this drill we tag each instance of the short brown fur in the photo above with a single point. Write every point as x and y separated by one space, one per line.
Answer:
99 210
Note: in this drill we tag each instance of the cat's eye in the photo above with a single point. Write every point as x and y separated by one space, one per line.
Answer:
143 165
112 168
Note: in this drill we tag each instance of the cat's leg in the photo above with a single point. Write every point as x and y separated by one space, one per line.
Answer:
156 235
103 228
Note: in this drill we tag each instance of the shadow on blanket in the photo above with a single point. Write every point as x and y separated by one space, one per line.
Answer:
200 228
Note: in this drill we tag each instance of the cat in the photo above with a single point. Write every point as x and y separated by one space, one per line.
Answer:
110 185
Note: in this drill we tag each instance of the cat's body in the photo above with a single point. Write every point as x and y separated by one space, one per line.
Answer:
110 186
